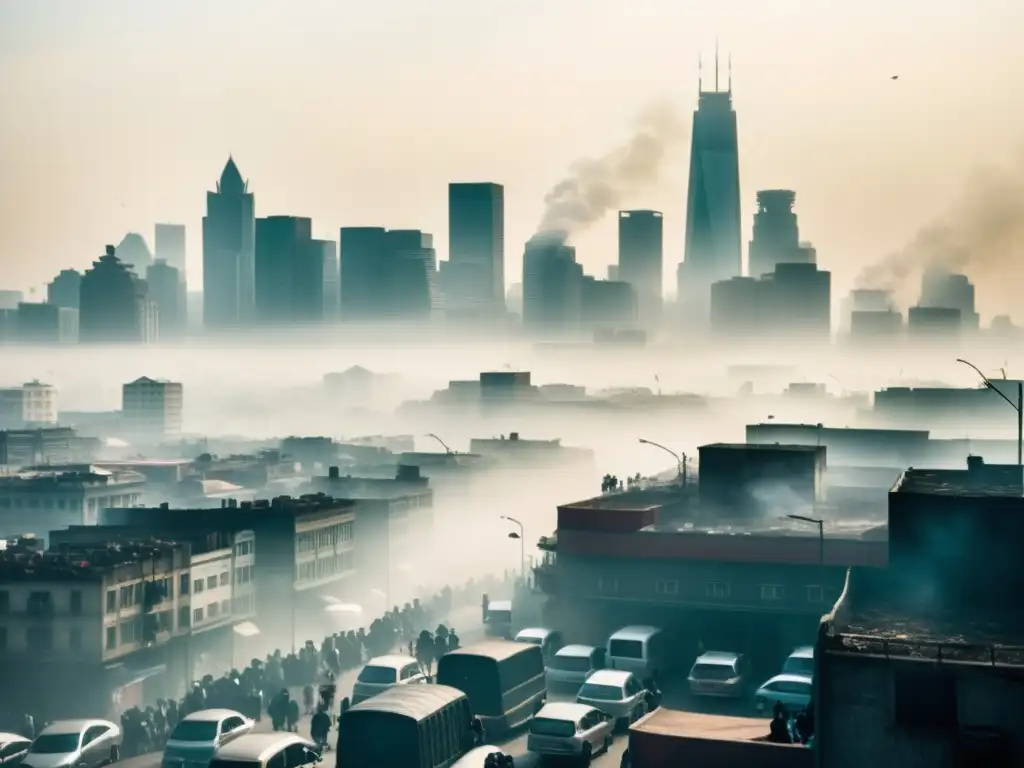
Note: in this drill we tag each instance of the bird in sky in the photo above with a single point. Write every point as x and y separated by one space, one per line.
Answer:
895 77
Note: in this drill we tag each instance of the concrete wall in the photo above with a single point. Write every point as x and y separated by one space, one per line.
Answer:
856 723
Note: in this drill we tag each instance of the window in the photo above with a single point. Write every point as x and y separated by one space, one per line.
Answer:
76 602
197 586
94 733
211 582
75 639
924 700
225 578
197 615
772 592
213 610
5 602
716 589
815 594
131 631
183 584
40 604
40 638
666 587
607 586
111 638
127 597
111 601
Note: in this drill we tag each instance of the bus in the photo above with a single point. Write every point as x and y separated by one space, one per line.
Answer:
419 726
504 681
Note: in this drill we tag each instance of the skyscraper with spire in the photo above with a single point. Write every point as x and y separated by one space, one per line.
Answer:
714 249
229 257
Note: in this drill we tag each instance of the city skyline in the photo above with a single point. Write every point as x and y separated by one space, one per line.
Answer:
182 137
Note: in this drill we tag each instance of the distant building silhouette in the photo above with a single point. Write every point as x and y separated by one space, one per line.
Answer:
331 279
714 249
133 250
776 237
413 292
65 289
552 282
289 271
641 260
113 304
793 302
229 232
473 278
168 291
873 326
47 324
942 290
152 408
607 304
11 299
169 245
865 300
387 275
934 322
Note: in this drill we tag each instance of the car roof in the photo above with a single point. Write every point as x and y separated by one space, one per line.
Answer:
638 632
615 677
8 738
564 710
499 650
257 746
211 715
73 726
718 657
499 605
804 652
576 651
413 701
788 678
393 660
538 632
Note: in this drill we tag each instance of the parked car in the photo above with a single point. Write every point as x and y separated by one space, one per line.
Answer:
385 672
13 748
569 668
719 673
800 662
549 640
617 693
792 691
570 730
198 735
75 743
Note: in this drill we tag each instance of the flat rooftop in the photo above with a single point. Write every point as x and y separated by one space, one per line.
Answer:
612 501
674 722
762 447
833 529
992 481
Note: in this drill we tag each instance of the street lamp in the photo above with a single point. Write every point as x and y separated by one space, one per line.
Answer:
821 543
679 457
1018 407
444 445
522 550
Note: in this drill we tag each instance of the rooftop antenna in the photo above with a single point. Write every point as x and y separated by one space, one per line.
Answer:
730 71
700 74
716 65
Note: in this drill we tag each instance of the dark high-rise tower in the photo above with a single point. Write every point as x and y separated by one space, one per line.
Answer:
474 275
229 233
169 245
714 248
776 234
552 282
113 303
167 291
640 259
289 271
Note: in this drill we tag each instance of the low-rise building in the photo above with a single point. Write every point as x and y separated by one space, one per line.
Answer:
31 406
43 499
517 451
152 408
53 446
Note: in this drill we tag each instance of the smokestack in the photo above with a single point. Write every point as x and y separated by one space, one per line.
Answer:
333 473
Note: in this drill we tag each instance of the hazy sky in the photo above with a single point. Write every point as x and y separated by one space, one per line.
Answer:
120 113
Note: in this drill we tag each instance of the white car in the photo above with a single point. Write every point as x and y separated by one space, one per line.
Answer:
792 691
575 730
13 748
616 693
75 744
386 672
572 665
800 662
719 673
194 740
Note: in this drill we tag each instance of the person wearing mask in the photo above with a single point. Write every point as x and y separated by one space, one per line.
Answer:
779 730
319 728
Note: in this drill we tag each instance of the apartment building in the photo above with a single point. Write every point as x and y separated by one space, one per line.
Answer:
32 405
152 408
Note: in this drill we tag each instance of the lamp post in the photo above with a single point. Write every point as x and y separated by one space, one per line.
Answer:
522 550
821 543
679 457
1018 407
444 445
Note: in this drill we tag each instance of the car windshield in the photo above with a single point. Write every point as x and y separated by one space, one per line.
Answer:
798 665
530 640
377 675
600 692
626 649
55 744
570 663
194 730
713 671
547 726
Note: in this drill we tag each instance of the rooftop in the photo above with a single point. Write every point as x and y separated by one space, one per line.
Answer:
979 479
45 476
764 447
673 722
833 529
82 562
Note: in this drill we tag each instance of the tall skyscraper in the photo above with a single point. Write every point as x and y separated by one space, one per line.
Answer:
331 282
552 282
641 239
169 245
942 290
289 273
714 249
474 275
776 237
65 289
114 305
229 234
388 275
362 251
167 290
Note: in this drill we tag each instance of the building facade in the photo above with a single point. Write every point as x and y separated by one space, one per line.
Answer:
473 278
289 271
114 305
64 289
47 324
152 408
30 406
641 260
229 234
552 281
169 245
168 292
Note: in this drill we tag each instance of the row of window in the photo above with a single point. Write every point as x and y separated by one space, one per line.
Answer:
323 538
212 611
325 566
245 548
41 603
716 590
244 574
211 582
48 502
40 638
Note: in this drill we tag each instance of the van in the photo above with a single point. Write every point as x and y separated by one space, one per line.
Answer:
640 650
503 680
549 640
498 619
386 672
568 669
419 726
266 750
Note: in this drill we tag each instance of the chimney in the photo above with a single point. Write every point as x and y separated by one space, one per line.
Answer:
333 473
513 436
165 506
975 464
